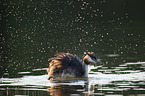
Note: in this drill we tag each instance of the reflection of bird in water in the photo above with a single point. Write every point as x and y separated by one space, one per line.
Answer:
67 90
67 65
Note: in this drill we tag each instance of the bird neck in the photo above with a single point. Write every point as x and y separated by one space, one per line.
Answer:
86 69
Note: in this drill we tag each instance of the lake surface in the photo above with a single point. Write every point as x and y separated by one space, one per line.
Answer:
126 79
33 31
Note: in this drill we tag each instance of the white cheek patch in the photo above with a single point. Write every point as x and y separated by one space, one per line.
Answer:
90 60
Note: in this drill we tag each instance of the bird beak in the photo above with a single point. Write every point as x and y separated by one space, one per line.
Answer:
97 61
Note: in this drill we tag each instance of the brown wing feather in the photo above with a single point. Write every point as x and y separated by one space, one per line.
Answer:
53 68
65 62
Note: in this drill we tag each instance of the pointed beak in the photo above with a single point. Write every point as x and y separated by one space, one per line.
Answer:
98 61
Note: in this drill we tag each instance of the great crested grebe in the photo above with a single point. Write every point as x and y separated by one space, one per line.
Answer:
68 65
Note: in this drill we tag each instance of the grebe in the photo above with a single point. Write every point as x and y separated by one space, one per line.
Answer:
67 65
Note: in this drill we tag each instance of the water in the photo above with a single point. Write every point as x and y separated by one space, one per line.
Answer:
114 81
33 31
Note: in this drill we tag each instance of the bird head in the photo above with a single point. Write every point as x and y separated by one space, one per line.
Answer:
90 58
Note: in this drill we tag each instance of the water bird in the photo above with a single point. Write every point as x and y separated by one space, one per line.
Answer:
65 65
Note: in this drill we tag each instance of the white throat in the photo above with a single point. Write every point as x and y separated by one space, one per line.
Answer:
86 69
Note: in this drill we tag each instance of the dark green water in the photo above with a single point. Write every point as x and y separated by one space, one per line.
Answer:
33 31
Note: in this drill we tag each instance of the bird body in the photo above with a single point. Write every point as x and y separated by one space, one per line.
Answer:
67 65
